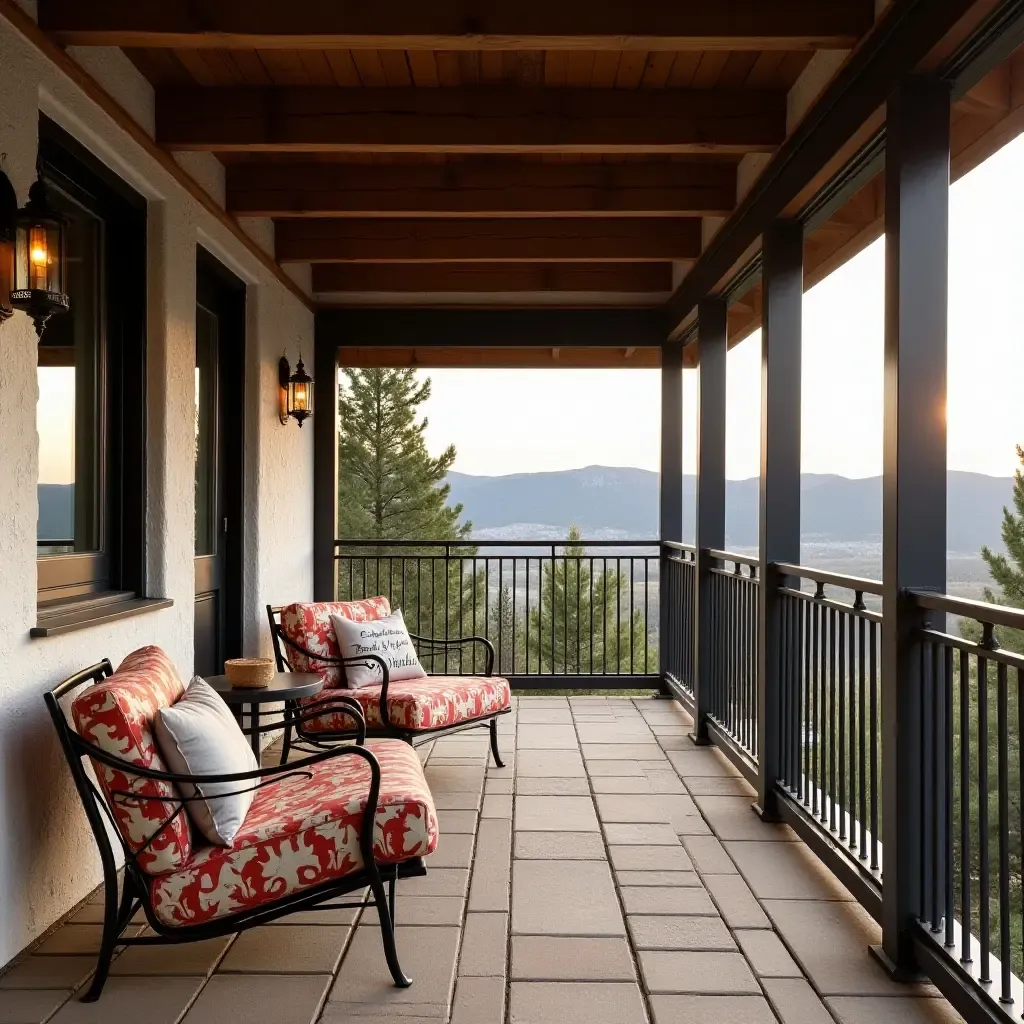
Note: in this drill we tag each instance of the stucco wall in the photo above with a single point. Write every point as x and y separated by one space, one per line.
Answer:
47 861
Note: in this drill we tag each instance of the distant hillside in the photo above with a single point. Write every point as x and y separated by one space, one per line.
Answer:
608 502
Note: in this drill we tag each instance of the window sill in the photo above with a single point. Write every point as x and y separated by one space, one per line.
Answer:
81 613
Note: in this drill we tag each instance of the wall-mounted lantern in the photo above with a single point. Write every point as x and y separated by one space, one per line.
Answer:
8 217
40 263
296 392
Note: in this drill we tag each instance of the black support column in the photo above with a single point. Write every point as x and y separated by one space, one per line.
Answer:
914 480
782 304
671 478
325 459
711 323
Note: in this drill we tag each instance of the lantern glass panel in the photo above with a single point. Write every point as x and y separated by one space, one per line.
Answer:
40 260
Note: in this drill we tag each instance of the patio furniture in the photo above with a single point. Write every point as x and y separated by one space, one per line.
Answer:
414 710
286 687
303 843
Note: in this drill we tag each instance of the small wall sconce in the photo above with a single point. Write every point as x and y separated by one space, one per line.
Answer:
296 392
40 259
8 217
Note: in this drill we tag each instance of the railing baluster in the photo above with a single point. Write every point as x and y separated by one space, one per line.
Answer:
1003 769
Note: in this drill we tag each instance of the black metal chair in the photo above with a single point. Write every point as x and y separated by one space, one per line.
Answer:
135 890
428 648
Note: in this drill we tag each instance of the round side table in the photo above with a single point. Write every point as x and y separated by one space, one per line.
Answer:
285 687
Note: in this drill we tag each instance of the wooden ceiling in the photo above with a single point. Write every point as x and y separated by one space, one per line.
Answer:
477 151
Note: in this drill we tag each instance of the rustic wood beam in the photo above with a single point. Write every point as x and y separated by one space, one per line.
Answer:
433 357
575 240
475 189
494 119
652 278
461 25
493 328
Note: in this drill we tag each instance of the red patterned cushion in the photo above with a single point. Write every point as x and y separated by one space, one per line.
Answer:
310 626
302 832
430 703
117 715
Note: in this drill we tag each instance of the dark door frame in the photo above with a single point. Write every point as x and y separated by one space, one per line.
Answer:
221 291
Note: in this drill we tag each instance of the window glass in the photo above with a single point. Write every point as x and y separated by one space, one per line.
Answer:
68 413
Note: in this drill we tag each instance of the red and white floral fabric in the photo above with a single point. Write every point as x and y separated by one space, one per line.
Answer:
116 715
302 832
415 704
309 625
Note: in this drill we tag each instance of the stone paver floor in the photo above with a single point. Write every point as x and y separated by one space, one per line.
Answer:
612 873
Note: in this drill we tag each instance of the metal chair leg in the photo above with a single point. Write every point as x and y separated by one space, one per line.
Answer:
111 931
494 743
391 897
387 934
286 743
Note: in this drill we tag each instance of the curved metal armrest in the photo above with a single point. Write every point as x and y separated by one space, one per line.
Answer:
335 703
445 642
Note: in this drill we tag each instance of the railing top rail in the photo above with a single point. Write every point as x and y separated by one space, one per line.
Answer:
731 556
483 543
858 611
997 655
675 545
980 611
855 583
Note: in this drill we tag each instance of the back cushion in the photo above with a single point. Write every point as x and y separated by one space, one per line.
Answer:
117 716
309 625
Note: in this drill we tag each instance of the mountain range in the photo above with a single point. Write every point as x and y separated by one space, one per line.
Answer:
608 502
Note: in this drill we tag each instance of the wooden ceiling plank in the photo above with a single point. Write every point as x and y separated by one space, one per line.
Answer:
505 358
343 67
461 25
556 67
572 240
424 68
653 278
464 189
370 68
657 69
631 69
470 120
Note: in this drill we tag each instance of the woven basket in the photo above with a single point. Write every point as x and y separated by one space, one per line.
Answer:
249 673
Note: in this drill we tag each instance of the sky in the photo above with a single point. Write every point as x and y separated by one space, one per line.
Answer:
512 421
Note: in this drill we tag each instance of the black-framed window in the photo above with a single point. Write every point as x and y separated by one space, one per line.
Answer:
92 378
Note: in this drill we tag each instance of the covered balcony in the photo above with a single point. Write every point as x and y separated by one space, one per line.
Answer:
681 813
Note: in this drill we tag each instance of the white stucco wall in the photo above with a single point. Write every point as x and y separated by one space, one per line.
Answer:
47 860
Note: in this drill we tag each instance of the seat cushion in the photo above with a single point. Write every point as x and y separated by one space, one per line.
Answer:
117 716
415 704
302 832
309 625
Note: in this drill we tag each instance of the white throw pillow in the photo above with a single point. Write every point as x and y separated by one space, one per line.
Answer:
388 639
199 736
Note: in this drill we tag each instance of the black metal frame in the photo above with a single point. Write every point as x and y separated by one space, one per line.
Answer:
135 889
414 737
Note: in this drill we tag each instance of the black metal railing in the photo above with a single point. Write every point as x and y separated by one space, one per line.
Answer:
679 562
972 720
829 725
732 590
583 611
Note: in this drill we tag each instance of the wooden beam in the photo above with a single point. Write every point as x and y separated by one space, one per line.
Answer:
653 278
492 119
431 357
493 328
692 188
112 109
575 240
464 25
903 37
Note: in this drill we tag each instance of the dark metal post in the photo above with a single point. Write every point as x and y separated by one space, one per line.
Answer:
711 324
325 460
782 303
671 483
914 480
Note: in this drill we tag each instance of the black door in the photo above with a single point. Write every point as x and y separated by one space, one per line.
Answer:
219 402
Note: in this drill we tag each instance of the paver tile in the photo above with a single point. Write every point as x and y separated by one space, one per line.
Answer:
457 821
75 938
454 850
559 846
664 780
720 785
153 1000
766 953
785 871
543 763
497 785
796 1002
484 945
661 878
497 805
665 932
545 716
575 1003
884 1009
672 810
479 1001
736 902
282 999
552 787
49 972
692 1009
732 817
457 801
616 768
643 835
709 856
442 881
617 732
557 958
564 898
489 889
701 761
620 751
444 910
299 949
555 814
649 858
546 737
189 958
30 1006
675 900
700 973
622 784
